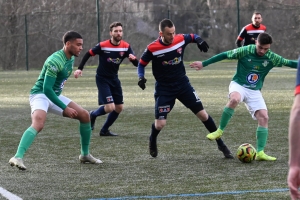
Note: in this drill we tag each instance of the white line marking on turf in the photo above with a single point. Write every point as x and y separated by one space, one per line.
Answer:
9 195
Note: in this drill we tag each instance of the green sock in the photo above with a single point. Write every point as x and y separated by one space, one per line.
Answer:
261 138
85 137
26 141
226 116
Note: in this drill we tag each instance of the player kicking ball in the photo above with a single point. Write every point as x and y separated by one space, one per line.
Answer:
254 63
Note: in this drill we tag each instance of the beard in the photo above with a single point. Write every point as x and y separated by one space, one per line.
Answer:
117 38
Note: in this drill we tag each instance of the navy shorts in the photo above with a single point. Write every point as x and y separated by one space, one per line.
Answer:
166 95
109 90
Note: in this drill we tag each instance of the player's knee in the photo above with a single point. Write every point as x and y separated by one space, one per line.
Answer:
202 115
160 124
233 102
119 108
83 116
109 107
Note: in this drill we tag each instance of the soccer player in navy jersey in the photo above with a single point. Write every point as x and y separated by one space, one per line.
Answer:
250 32
111 53
294 141
45 96
172 83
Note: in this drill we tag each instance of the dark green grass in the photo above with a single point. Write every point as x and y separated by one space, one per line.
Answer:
187 163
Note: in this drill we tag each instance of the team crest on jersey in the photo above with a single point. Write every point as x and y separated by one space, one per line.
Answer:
179 50
253 78
121 53
109 99
265 63
164 109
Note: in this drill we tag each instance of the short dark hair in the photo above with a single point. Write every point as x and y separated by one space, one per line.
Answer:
264 38
165 23
70 36
256 13
114 24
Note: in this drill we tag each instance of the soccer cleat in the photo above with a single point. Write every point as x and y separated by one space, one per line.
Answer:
227 153
89 159
152 147
18 162
215 135
261 156
93 120
107 133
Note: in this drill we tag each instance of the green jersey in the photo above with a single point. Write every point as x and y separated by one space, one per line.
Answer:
56 70
252 68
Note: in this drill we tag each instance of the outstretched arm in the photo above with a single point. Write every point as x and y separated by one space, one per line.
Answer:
198 65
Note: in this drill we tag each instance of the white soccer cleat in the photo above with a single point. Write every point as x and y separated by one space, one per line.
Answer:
89 159
18 162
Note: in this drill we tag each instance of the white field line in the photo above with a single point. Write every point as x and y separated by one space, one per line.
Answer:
8 195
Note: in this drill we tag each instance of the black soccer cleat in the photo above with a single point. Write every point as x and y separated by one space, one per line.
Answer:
93 119
152 147
227 153
107 133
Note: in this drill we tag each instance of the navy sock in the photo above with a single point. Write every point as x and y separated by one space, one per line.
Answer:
211 127
111 118
100 111
154 131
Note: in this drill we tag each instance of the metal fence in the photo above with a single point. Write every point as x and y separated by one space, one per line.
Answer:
27 40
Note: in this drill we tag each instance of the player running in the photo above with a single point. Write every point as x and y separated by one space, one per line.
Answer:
111 54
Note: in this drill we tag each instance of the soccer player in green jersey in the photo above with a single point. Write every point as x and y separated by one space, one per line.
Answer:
45 96
254 63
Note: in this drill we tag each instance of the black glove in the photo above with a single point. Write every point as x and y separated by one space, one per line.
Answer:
202 45
142 82
135 62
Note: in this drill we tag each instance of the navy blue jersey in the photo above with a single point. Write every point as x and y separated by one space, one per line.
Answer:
250 33
110 57
167 60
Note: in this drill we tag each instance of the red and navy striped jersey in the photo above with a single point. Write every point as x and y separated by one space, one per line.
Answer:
250 33
110 57
167 60
297 89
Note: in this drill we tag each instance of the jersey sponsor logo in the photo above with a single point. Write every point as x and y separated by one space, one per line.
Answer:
114 60
179 50
106 52
265 63
253 78
109 99
162 55
121 53
164 109
175 61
